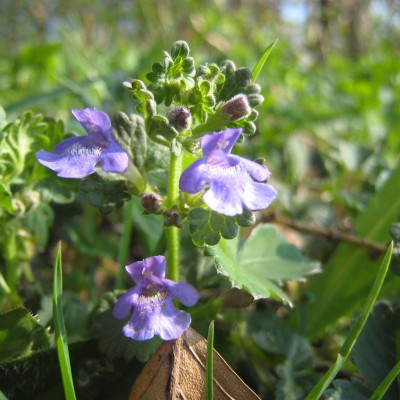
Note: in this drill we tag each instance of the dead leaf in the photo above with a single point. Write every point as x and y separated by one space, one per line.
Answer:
177 371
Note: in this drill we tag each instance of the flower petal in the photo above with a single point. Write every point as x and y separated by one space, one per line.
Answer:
258 196
157 318
224 196
171 323
220 141
257 171
75 157
125 303
184 292
193 178
139 271
114 159
96 123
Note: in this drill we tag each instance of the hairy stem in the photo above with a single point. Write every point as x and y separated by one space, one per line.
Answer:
172 232
124 243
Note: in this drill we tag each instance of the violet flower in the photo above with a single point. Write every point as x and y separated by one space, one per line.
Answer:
154 312
233 183
77 157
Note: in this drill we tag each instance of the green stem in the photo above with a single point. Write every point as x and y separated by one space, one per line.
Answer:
123 248
172 232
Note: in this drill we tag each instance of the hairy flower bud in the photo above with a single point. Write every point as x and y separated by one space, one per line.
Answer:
172 217
237 107
151 203
180 118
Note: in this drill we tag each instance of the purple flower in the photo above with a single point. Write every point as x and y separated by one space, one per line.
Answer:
233 183
154 312
77 157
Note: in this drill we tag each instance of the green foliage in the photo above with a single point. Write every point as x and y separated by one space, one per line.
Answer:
293 353
131 134
258 268
20 335
350 271
374 361
106 191
173 75
60 333
206 227
374 354
348 390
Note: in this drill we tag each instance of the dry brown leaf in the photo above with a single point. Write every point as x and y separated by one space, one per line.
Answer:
177 371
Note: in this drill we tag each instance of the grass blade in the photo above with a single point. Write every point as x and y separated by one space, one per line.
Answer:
257 69
355 331
210 363
384 385
60 332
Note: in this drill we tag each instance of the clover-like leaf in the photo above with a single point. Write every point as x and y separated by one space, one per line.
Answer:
265 260
206 227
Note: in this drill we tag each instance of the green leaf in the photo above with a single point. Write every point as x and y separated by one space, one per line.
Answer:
348 390
377 347
5 200
206 227
173 75
19 142
355 330
60 331
106 191
20 334
351 271
108 331
39 220
131 134
238 80
257 69
264 260
294 369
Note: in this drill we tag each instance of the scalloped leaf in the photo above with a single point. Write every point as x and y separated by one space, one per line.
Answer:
265 260
206 227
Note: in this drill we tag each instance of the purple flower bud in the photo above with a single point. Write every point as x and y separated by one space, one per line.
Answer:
152 202
180 118
172 217
233 183
237 107
77 157
154 312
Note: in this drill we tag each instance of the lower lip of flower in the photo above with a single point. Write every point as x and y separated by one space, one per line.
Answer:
151 301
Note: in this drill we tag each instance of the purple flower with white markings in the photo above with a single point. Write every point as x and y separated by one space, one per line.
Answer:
233 183
77 157
154 312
